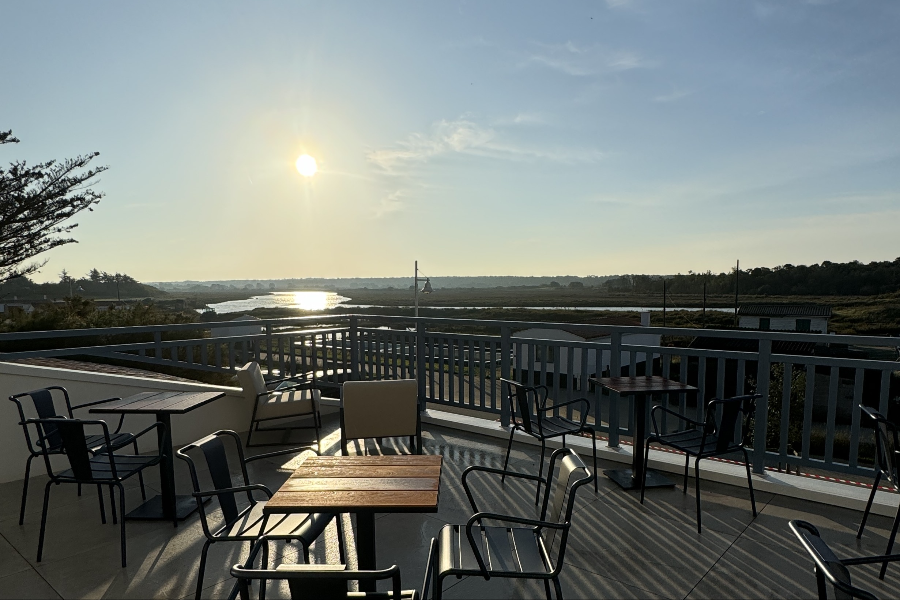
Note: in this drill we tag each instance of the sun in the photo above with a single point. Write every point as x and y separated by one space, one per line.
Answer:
306 165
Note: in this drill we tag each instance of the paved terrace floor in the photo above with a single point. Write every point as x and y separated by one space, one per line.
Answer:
618 548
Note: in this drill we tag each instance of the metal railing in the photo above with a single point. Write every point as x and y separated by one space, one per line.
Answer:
807 417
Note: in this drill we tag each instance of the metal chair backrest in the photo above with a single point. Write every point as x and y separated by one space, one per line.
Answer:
216 457
887 446
524 401
310 581
722 420
829 568
71 434
559 495
44 407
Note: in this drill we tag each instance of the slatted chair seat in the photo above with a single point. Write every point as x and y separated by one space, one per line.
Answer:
126 466
97 445
279 400
691 441
508 551
303 527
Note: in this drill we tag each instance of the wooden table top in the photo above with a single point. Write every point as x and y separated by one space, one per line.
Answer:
404 483
176 403
643 385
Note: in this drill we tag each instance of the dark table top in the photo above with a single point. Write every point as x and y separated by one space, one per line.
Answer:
175 403
643 385
404 483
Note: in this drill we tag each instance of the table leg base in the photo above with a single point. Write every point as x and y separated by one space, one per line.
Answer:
625 478
152 509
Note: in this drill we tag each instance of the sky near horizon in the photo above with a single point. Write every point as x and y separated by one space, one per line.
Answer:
479 138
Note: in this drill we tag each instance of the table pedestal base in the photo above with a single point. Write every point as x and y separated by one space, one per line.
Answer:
625 478
152 509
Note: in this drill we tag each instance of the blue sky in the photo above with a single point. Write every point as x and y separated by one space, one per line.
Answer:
476 137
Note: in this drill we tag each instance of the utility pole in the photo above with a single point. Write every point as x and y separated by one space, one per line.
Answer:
704 305
737 281
664 301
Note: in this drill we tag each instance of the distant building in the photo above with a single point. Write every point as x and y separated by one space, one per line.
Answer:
802 318
535 357
239 330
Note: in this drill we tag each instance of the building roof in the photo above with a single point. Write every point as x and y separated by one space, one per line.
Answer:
785 310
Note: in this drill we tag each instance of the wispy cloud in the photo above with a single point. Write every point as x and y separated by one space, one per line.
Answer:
673 96
390 204
582 61
463 136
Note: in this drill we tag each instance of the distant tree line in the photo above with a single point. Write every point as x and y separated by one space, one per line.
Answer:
94 284
825 279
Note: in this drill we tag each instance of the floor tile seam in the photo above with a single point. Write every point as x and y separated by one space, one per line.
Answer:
606 576
730 546
28 564
618 579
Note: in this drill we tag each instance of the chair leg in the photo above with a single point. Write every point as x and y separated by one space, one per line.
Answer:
750 482
512 432
25 489
102 506
594 440
890 545
687 465
140 474
644 478
112 504
697 486
122 510
547 589
558 588
537 496
429 568
859 533
202 569
249 435
265 565
43 521
342 549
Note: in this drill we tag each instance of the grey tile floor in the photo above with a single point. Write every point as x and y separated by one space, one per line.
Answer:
618 548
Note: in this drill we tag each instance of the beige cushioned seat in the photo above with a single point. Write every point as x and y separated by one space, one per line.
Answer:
275 404
386 408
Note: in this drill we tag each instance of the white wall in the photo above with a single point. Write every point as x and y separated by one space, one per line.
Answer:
231 412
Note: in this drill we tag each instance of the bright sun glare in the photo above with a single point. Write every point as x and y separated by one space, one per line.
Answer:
306 165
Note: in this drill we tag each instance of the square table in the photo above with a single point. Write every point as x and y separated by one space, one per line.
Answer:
363 485
167 506
640 388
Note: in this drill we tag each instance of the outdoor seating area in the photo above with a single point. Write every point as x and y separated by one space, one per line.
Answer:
606 544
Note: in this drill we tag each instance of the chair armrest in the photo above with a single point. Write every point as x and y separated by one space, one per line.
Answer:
234 490
674 414
504 518
494 471
584 413
277 453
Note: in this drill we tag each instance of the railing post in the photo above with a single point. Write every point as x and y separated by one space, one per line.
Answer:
354 349
157 339
420 362
269 361
763 373
505 358
615 370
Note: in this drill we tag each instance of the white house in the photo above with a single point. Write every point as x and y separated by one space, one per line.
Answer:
239 330
804 318
543 358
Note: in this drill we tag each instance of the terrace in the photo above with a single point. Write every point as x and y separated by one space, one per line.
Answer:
736 556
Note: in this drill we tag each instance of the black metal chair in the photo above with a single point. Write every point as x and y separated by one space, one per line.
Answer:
279 400
312 582
887 468
524 551
529 411
832 570
44 407
240 525
86 467
717 435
